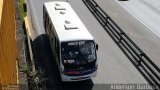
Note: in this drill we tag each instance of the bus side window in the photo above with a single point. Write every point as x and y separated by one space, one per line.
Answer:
55 44
58 49
45 20
52 39
49 29
47 24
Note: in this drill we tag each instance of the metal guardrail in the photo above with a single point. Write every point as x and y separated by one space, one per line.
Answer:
138 58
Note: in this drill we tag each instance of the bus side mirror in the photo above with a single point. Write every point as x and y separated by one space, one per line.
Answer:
96 46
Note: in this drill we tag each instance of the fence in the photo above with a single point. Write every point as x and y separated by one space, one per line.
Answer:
138 58
8 50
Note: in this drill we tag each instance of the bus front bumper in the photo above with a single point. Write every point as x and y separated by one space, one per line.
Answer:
66 78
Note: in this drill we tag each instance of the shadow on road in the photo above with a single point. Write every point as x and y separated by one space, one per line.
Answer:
44 61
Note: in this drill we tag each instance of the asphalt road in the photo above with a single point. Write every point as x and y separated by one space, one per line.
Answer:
114 66
146 11
141 24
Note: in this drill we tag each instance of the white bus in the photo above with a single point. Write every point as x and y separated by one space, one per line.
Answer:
72 45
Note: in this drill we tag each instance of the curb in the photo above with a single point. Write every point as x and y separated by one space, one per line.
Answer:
27 28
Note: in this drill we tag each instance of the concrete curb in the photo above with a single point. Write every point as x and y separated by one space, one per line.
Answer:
27 27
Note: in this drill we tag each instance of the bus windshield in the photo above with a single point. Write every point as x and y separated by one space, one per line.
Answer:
78 52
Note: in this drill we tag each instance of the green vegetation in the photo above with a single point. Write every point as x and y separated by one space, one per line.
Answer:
36 78
23 14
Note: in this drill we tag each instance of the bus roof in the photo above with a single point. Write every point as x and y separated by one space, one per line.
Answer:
67 24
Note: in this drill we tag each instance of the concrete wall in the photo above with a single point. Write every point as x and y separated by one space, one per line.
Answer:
8 50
